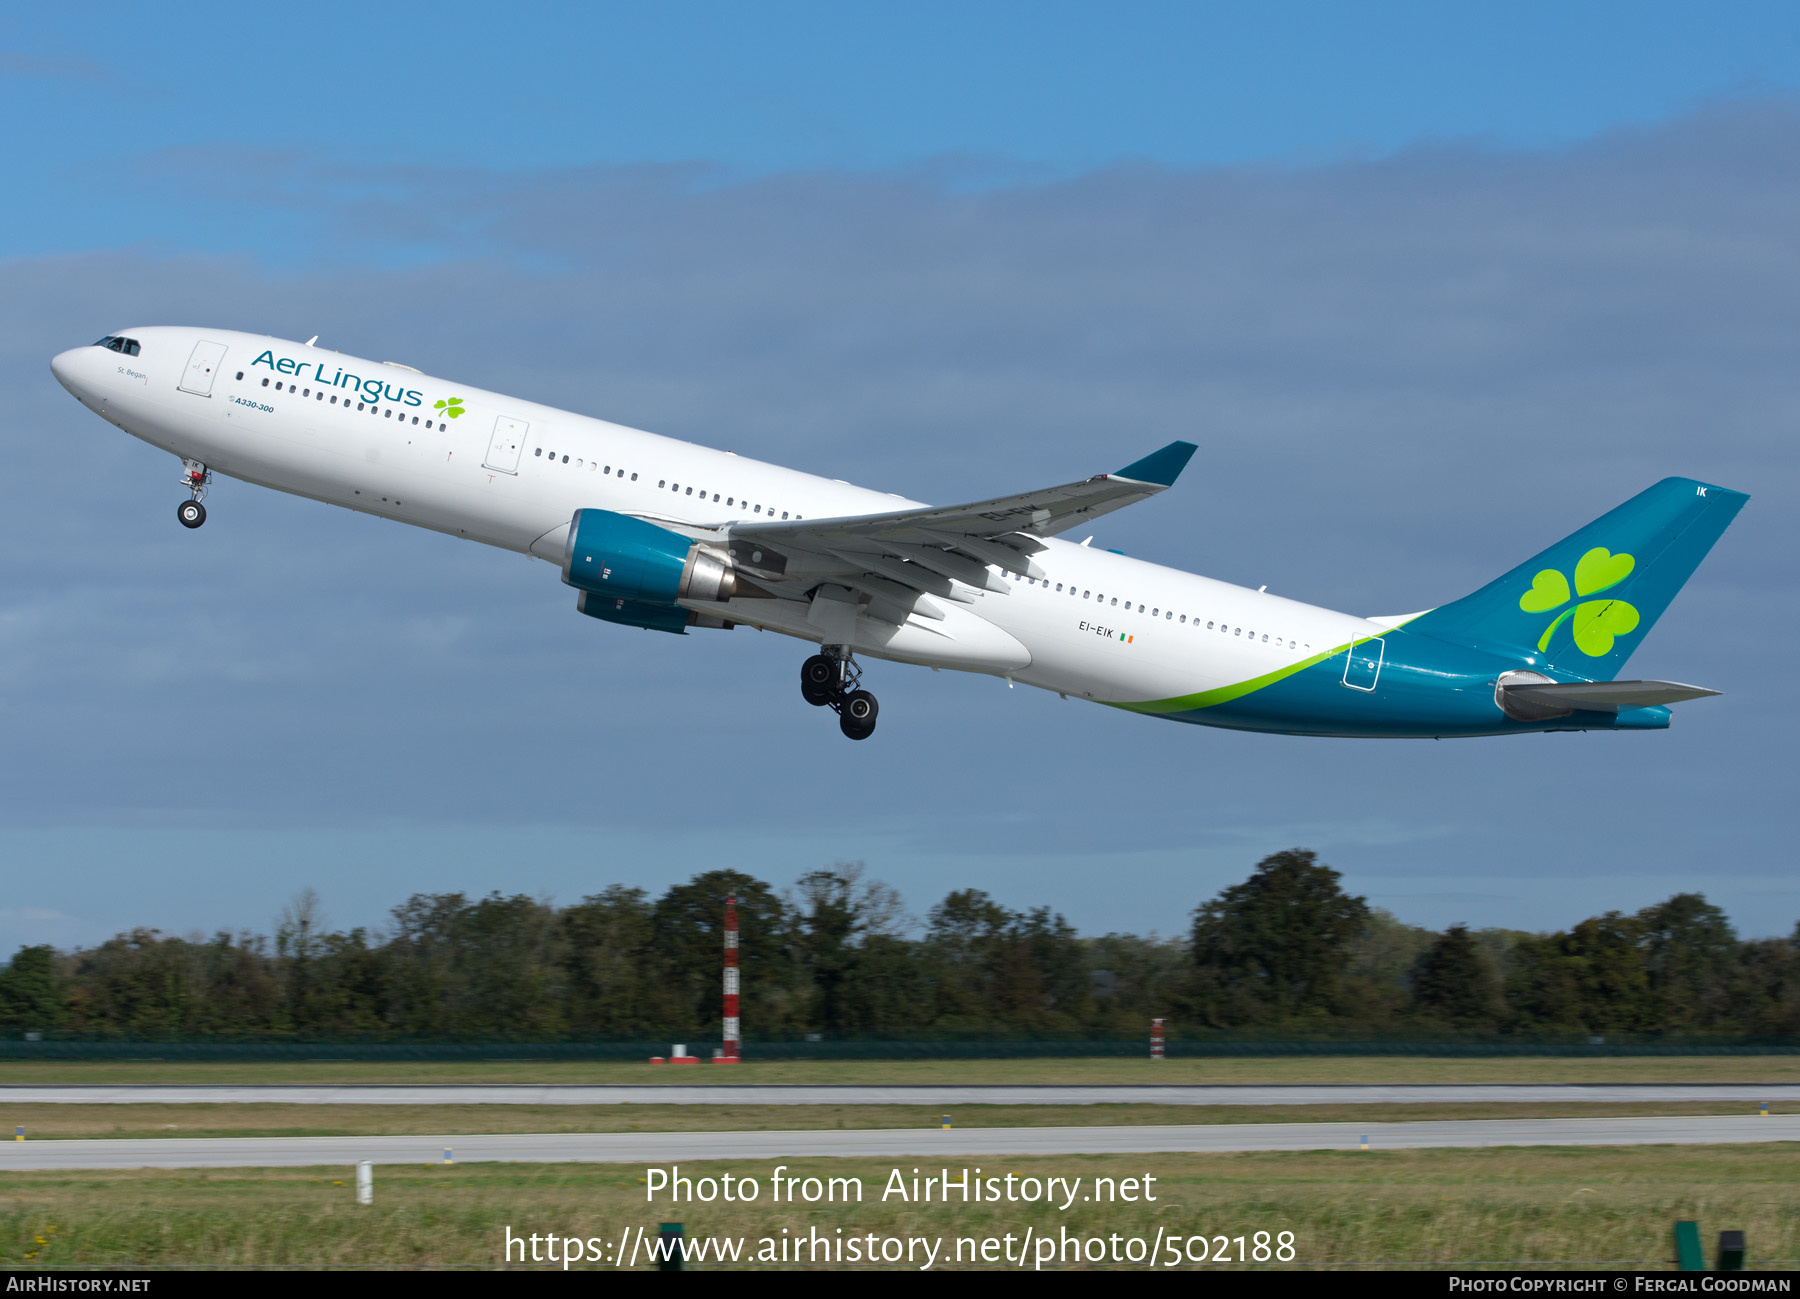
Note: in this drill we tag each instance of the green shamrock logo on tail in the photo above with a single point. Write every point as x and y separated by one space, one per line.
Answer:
451 408
1594 623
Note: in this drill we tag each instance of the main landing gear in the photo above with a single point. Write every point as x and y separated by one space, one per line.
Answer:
196 477
829 680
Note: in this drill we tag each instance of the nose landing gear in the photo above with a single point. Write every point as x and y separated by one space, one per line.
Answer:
829 680
196 477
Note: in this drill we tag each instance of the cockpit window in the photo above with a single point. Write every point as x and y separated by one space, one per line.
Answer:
114 343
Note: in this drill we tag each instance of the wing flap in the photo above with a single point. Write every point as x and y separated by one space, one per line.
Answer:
902 600
1011 552
917 576
942 562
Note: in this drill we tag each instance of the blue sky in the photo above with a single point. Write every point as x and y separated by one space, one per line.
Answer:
1429 288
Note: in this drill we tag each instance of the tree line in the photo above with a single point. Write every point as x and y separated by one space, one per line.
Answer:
1285 951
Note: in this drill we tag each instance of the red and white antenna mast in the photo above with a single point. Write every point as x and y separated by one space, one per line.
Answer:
728 1053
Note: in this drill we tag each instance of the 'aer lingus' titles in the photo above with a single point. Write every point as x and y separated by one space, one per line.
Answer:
370 389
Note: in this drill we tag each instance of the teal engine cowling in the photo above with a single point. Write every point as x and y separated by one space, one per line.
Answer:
632 572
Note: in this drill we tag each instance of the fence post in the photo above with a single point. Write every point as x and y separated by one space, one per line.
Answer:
1731 1251
673 1255
1688 1257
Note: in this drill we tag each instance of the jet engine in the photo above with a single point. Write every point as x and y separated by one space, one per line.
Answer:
633 572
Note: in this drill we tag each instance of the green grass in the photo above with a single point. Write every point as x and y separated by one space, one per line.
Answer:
62 1122
1442 1207
1243 1069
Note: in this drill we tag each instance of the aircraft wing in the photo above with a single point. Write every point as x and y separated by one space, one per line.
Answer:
896 559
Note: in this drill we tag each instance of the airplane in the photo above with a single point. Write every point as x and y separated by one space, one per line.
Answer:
668 536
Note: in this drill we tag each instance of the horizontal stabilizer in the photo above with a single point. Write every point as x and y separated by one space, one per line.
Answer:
1606 695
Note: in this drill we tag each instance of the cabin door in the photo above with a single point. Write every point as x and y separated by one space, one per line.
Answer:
1362 666
508 441
201 367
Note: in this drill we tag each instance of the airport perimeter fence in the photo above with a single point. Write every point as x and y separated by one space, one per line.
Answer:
961 1046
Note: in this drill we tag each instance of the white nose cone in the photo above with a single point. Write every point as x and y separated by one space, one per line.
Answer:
66 365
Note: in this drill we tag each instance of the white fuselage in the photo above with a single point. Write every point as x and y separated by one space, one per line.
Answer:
1100 626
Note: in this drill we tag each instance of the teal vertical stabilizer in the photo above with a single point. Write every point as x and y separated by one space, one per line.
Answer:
1584 604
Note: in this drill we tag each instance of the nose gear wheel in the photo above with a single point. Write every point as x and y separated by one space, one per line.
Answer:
196 477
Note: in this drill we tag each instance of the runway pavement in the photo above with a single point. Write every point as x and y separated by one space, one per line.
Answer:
774 1094
927 1143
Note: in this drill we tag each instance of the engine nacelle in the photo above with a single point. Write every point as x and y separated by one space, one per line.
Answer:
635 613
618 557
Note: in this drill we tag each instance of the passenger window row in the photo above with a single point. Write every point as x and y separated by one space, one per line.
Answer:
1167 615
385 413
754 509
662 484
593 466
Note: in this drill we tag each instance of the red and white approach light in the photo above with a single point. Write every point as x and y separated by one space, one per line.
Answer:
1156 1039
728 1054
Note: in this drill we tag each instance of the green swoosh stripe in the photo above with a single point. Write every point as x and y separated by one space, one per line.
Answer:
1225 694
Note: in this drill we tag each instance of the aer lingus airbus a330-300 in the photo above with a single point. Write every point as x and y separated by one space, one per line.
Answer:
668 536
